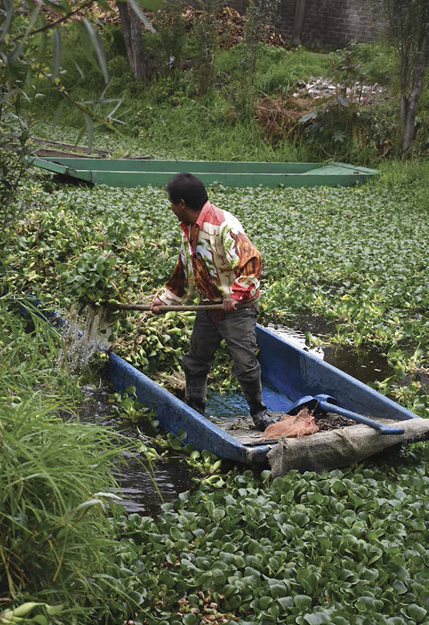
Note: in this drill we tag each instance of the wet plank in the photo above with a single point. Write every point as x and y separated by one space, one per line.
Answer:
242 429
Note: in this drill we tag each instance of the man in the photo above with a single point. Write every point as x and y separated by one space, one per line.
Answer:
218 262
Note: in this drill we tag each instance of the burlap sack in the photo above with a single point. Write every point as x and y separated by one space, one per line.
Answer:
338 448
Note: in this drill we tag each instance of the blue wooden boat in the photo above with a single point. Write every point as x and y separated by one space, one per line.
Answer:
288 374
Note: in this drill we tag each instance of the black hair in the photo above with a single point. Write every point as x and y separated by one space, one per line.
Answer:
188 188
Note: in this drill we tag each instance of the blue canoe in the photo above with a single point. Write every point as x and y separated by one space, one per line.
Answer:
288 374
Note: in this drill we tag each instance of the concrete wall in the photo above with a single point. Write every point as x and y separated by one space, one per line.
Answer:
327 23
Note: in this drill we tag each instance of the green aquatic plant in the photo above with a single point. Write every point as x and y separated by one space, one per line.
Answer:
353 257
305 549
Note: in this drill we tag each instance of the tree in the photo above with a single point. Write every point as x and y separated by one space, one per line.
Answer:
132 19
409 29
27 31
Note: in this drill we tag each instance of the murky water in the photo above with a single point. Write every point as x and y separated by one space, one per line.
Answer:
296 337
367 365
141 491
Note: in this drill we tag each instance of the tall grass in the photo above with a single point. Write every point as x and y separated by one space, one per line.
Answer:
198 130
169 116
394 174
56 529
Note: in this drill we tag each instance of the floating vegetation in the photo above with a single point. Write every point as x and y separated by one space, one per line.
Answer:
353 259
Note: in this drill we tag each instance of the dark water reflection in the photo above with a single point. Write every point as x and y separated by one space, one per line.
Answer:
367 365
141 491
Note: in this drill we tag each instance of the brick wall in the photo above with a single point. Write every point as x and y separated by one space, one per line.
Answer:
329 23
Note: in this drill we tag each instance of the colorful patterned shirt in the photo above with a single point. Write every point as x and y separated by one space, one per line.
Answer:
216 261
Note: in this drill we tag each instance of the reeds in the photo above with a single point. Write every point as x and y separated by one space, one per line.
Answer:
55 481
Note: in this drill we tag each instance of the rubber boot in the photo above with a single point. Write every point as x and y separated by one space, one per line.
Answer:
196 390
258 411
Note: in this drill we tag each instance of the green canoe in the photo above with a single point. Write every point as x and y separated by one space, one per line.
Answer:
140 173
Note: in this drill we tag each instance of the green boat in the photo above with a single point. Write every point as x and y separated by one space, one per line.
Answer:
140 173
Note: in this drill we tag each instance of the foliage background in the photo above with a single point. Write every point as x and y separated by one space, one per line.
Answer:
346 546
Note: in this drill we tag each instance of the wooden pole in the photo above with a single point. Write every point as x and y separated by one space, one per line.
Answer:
115 306
179 308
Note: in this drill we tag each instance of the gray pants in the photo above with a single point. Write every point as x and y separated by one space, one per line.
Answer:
238 329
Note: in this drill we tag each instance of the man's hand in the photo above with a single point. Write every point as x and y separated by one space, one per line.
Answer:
229 304
154 307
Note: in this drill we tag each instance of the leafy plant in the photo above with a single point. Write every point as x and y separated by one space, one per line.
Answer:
304 548
347 123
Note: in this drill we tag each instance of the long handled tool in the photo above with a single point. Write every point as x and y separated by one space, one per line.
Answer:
116 306
327 403
179 308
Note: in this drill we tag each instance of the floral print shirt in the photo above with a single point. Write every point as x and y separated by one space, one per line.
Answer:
216 261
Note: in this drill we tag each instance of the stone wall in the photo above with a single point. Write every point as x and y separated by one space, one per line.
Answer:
327 23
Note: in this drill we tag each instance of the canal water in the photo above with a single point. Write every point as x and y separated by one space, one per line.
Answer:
367 365
143 492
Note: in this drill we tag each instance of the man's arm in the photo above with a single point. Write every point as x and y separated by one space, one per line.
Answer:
177 290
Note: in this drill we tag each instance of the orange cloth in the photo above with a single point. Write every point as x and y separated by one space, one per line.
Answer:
292 427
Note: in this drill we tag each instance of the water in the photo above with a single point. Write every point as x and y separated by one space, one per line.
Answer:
140 491
296 337
144 493
367 365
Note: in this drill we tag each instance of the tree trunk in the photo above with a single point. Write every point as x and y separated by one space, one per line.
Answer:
132 28
298 22
140 66
416 89
404 76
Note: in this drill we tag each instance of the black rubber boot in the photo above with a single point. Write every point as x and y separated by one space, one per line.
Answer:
196 390
258 410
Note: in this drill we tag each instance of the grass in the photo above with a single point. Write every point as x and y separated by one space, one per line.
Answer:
165 117
56 520
394 174
277 68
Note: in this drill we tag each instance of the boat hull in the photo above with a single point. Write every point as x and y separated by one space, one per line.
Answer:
140 173
288 373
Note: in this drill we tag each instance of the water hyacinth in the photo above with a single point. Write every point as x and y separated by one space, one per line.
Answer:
352 257
343 547
346 546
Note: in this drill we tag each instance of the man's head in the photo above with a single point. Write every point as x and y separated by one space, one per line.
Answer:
187 195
